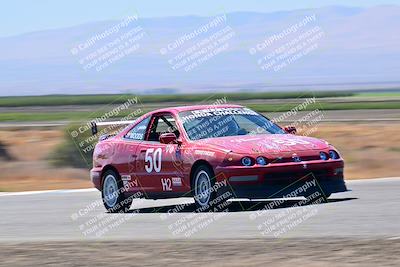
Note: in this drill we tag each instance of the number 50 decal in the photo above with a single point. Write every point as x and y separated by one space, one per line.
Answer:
153 160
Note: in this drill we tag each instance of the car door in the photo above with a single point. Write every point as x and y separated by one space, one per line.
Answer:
157 163
128 152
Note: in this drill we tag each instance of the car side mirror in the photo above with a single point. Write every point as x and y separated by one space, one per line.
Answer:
168 138
290 129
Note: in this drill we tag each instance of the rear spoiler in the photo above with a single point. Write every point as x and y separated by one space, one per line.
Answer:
107 123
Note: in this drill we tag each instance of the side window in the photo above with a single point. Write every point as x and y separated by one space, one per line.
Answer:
138 132
162 124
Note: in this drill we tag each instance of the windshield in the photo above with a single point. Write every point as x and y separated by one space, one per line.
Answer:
220 122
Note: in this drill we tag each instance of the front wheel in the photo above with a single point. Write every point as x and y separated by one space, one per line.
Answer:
203 182
112 193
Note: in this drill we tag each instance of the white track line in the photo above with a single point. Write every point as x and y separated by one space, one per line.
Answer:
373 180
60 191
85 190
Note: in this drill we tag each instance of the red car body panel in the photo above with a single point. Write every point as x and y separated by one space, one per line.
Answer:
131 158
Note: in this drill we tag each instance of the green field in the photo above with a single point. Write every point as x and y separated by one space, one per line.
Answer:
327 101
83 116
378 94
58 100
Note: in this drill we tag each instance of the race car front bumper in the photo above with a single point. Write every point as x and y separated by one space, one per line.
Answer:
283 179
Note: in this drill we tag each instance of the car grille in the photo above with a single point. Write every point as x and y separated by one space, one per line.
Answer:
287 159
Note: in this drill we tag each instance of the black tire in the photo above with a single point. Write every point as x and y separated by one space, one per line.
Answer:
114 203
203 178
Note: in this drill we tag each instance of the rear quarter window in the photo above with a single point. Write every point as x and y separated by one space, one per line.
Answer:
138 132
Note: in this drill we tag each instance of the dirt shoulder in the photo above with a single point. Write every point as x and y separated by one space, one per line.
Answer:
28 167
256 252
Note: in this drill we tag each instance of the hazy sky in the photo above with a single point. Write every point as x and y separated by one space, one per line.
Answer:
20 16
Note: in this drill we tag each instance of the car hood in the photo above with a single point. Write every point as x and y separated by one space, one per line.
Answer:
267 143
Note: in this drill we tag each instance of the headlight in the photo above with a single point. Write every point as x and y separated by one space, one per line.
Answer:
323 155
333 154
246 161
261 161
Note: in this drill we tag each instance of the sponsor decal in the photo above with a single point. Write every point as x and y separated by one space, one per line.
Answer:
204 153
127 182
241 140
125 177
178 155
217 112
176 181
135 136
169 148
290 142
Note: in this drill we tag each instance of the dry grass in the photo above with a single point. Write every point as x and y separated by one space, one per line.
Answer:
29 169
370 150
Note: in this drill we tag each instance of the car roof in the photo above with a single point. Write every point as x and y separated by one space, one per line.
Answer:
194 107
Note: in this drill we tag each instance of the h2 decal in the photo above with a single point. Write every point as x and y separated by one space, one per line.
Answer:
152 160
166 184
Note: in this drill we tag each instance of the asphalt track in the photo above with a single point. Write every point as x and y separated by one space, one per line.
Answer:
370 210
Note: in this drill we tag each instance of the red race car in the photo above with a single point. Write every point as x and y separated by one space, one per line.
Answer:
211 153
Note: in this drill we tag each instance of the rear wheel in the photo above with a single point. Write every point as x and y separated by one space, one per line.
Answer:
112 193
203 182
